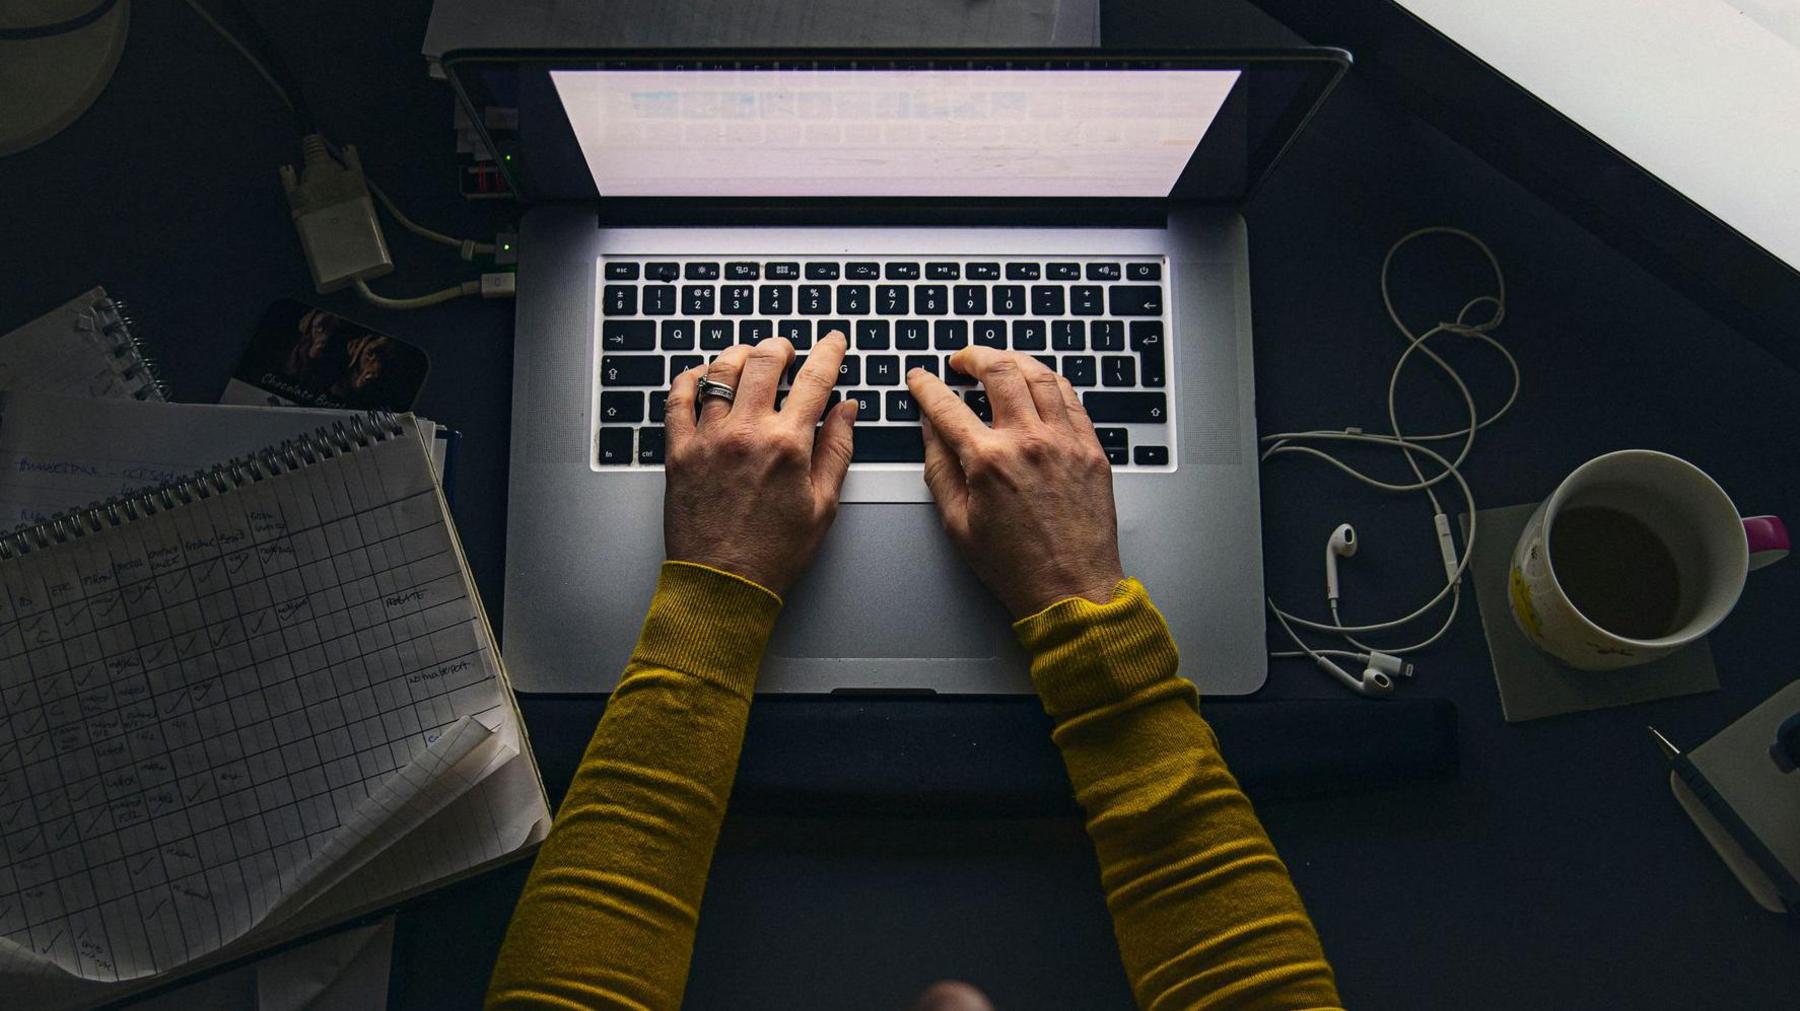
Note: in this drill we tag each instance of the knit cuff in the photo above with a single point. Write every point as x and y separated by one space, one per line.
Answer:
1086 655
708 623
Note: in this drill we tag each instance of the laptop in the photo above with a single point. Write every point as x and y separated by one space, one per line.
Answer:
1077 206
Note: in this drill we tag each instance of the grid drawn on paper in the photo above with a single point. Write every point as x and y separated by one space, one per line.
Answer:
191 704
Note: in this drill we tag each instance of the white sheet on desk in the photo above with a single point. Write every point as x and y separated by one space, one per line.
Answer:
61 452
522 24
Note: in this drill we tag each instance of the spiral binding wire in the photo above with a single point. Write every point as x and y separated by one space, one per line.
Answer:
292 454
131 342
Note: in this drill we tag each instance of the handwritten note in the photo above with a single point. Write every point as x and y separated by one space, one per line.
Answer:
210 715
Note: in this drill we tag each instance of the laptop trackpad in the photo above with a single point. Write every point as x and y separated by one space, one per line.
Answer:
887 583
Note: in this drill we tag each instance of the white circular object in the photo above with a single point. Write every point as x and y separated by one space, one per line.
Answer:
46 84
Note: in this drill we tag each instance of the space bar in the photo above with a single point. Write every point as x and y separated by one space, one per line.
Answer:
904 444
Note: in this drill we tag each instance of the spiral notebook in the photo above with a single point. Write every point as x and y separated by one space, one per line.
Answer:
89 345
242 706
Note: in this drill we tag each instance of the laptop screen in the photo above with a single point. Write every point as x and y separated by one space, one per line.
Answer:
890 133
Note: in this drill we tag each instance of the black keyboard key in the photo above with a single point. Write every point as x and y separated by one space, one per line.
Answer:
950 334
1047 361
1143 272
678 335
901 272
850 372
659 402
741 272
1134 300
853 299
900 406
697 299
1116 457
1063 271
862 271
927 362
982 272
797 331
627 335
1022 272
1046 300
891 299
1118 370
821 272
1120 408
931 300
912 335
952 377
990 333
1151 456
616 271
737 299
883 370
659 299
1146 334
621 407
889 444
755 331
1108 335
681 363
715 334
1009 300
842 326
615 447
1147 341
619 300
943 271
1079 370
775 299
783 271
1068 335
1113 438
650 445
1086 300
868 404
872 335
1028 335
978 402
701 272
971 300
662 271
631 370
815 299
1103 272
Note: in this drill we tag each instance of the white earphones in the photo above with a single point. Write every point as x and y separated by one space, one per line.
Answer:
1341 545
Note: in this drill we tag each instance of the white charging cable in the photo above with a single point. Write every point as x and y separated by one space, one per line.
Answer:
1383 661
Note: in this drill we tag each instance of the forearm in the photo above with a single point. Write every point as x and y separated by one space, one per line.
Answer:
607 916
1203 909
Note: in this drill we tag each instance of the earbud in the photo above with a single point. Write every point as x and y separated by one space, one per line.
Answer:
1372 683
1341 545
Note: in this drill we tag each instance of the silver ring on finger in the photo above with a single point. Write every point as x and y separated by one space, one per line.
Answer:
714 388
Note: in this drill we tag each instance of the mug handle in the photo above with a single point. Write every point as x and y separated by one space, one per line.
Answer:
1768 540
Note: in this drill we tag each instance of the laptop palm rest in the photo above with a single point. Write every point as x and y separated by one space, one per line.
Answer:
888 583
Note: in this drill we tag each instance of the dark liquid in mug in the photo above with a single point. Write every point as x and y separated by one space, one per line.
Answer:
1616 571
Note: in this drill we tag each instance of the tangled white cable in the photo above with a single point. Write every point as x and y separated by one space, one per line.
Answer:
1383 663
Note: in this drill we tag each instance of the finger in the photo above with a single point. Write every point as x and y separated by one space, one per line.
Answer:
812 387
955 423
678 412
1046 390
944 476
762 374
1004 380
832 450
1078 415
725 369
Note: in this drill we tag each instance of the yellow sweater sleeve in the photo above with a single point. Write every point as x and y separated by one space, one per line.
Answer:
607 916
1203 909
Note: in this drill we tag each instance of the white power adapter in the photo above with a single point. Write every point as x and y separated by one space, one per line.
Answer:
335 217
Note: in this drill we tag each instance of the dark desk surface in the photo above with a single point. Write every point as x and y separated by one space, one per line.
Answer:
1554 871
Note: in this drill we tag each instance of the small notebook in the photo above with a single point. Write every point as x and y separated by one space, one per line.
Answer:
88 346
241 706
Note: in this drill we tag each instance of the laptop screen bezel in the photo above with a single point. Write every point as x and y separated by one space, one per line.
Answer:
1310 73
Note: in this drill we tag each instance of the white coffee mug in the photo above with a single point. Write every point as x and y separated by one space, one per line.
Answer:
1689 549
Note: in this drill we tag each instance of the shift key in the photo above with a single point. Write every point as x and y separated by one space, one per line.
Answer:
1103 407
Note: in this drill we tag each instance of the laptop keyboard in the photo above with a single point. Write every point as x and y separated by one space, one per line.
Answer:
1101 322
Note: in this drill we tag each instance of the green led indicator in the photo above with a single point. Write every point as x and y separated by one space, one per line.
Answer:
509 157
507 246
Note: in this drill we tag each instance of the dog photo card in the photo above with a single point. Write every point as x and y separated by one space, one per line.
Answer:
316 358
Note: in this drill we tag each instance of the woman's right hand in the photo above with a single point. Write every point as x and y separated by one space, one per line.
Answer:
1029 501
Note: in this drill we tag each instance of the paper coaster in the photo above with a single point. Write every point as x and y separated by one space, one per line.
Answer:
1532 685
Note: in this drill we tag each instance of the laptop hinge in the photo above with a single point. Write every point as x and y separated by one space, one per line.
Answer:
1045 213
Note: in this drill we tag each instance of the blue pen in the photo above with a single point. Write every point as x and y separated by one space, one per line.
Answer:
1721 809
